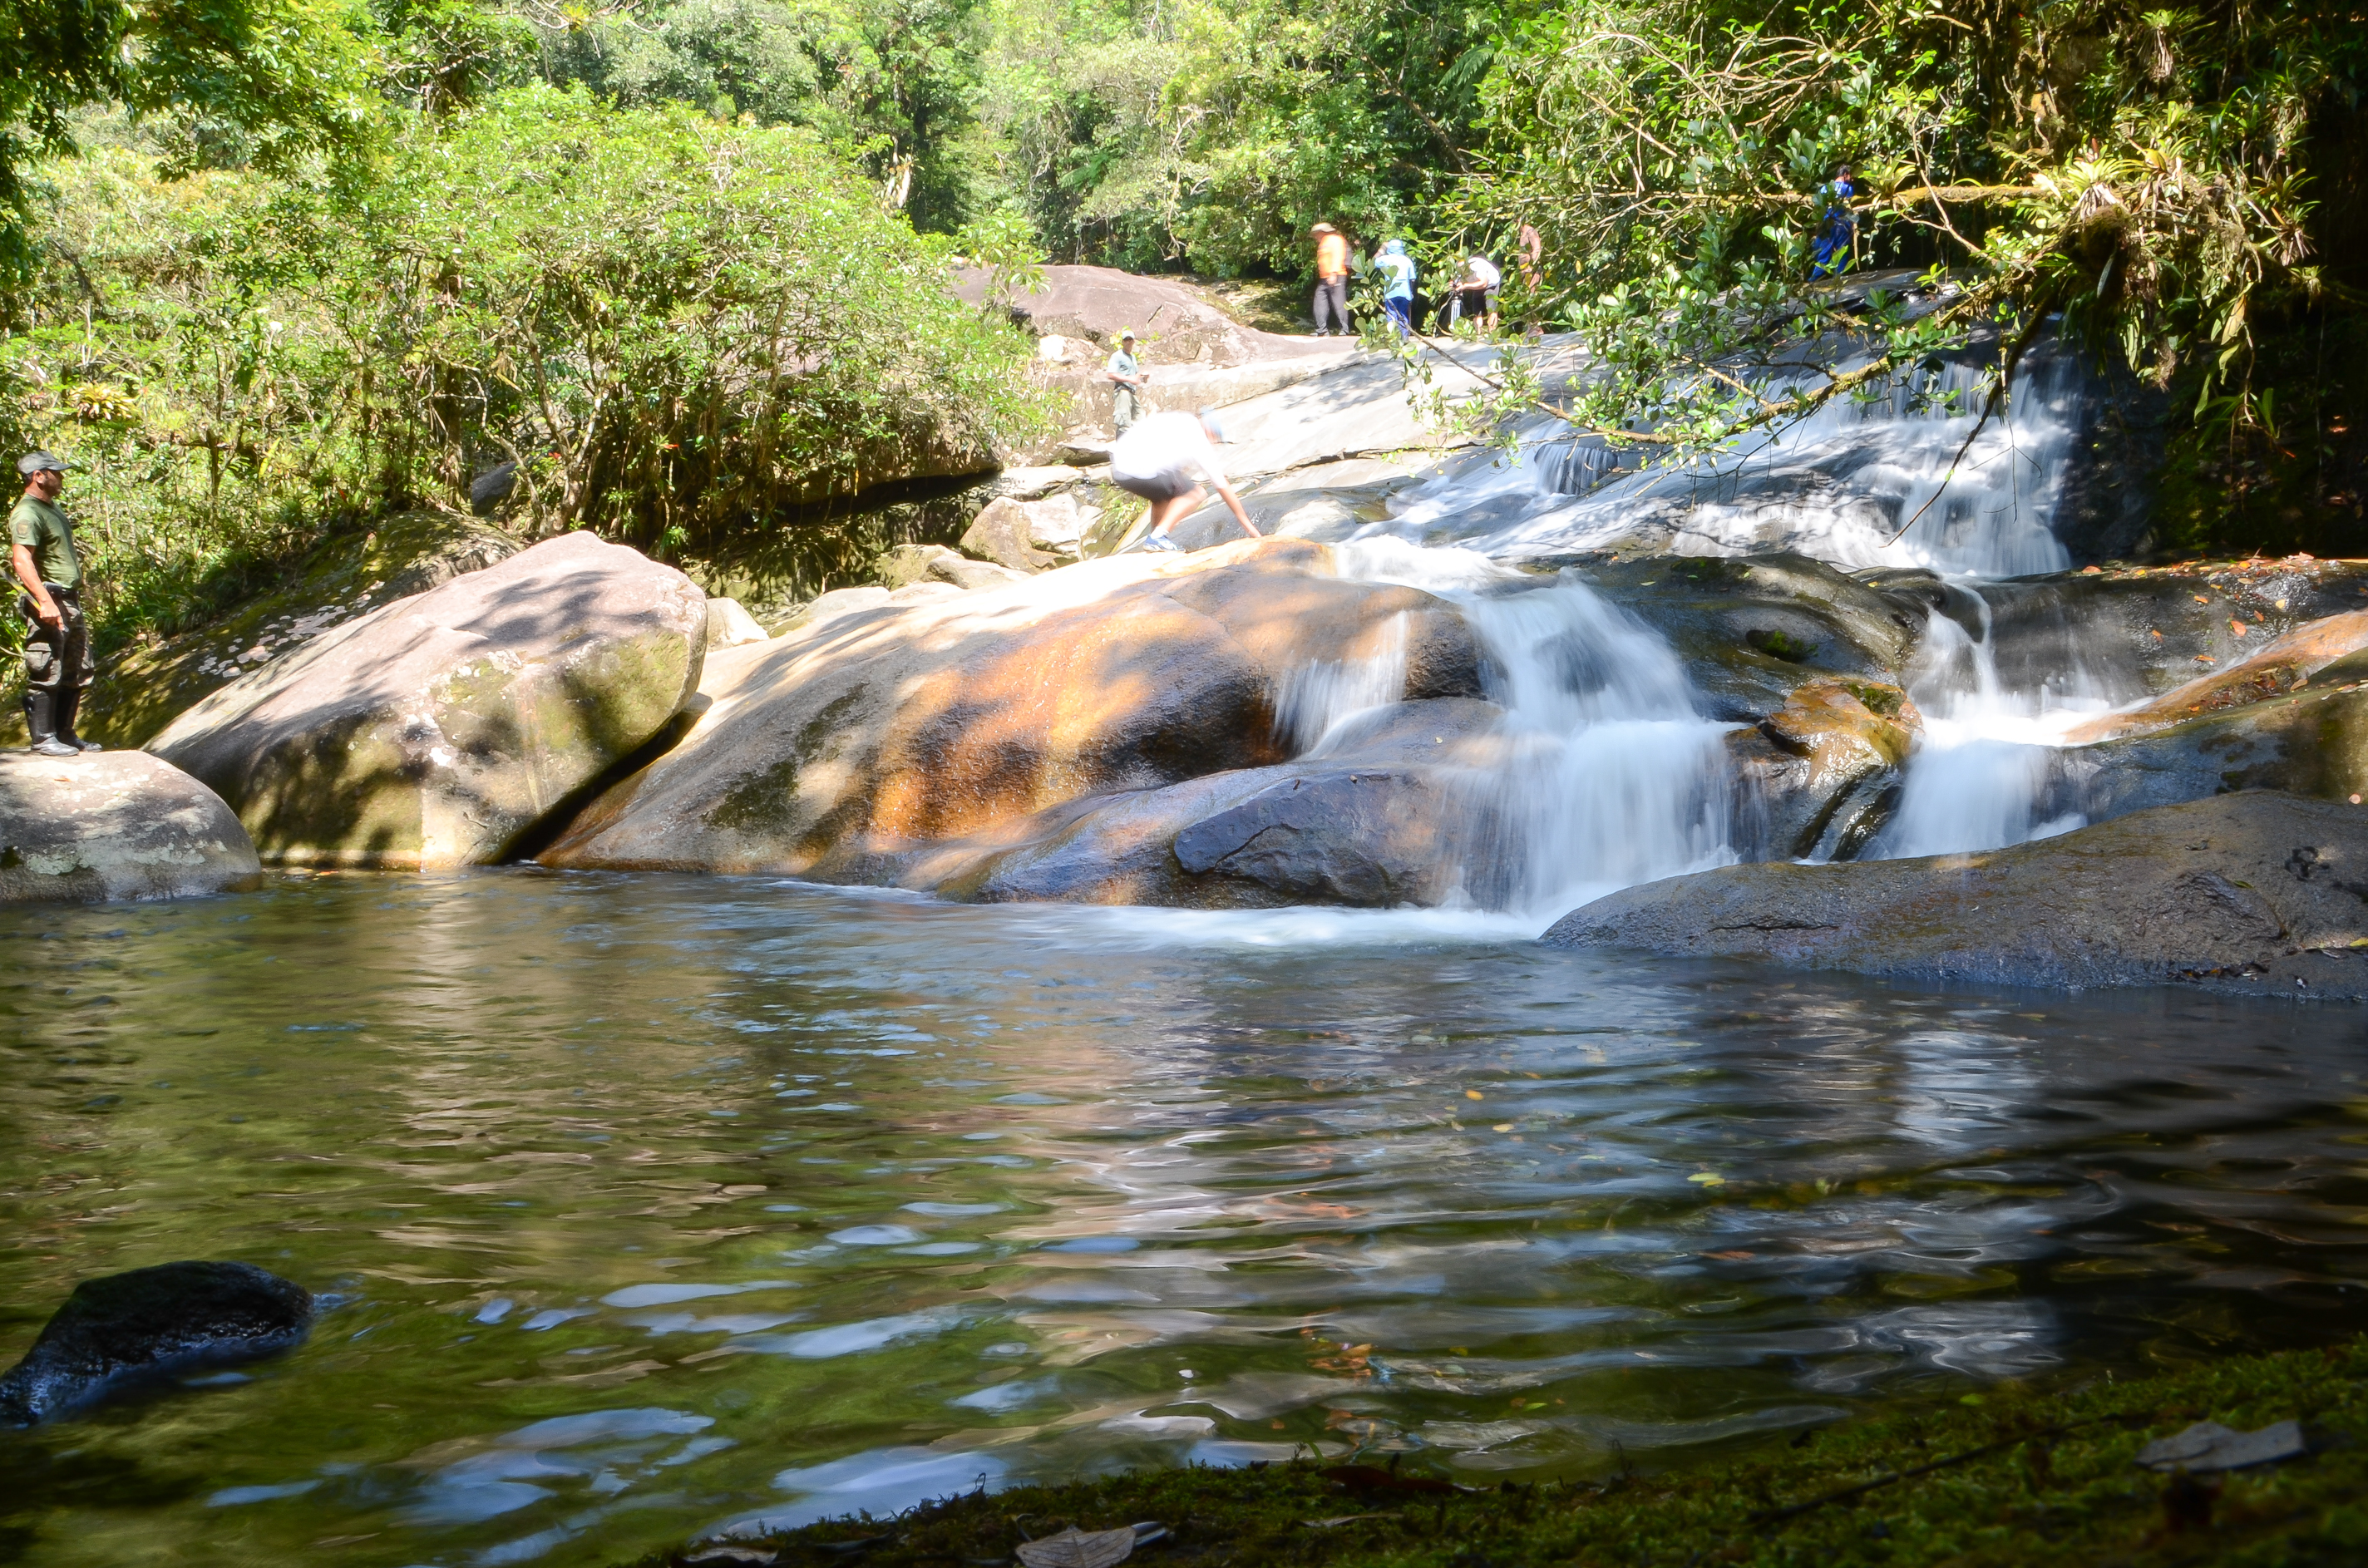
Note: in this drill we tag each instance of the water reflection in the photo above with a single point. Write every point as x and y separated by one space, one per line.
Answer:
655 1205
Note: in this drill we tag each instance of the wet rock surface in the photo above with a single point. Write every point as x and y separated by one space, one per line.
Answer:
2147 629
2259 893
851 749
2311 742
434 731
1751 629
116 1334
1819 777
114 824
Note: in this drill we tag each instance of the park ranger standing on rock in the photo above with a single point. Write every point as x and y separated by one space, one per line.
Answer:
57 650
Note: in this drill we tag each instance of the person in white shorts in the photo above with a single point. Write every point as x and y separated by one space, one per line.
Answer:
1164 457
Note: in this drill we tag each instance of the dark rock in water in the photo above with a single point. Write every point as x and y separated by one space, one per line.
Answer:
151 1323
1820 776
2261 892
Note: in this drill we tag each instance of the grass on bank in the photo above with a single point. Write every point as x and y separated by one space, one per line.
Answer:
2012 1476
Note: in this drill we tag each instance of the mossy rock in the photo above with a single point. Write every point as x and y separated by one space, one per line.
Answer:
346 574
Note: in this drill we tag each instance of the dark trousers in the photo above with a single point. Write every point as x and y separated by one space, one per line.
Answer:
57 663
1332 298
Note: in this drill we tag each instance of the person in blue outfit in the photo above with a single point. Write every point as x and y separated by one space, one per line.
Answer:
1830 255
1397 270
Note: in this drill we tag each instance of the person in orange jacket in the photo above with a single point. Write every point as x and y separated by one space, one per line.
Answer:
1331 278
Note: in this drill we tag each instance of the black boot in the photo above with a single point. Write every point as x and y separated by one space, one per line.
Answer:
69 703
40 707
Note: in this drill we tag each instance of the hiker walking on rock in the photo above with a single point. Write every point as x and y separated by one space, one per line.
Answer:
57 648
1331 279
1126 371
1165 459
1397 270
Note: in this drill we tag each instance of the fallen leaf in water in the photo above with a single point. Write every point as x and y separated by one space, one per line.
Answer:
2207 1445
1338 1519
2238 627
1732 1257
1471 1093
1707 1178
1073 1548
1373 1478
2206 659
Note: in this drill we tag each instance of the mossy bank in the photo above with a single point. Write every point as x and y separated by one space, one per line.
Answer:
2012 1476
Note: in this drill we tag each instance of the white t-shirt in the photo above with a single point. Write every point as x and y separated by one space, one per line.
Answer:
1483 271
1169 447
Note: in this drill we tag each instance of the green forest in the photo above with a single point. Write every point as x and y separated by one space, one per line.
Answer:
275 267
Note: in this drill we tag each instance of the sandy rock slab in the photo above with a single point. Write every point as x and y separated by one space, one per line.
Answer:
114 824
2258 892
434 731
866 747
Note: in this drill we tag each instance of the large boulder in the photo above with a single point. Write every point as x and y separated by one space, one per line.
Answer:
851 749
348 574
129 1329
114 824
2258 892
434 731
906 565
1385 814
1027 536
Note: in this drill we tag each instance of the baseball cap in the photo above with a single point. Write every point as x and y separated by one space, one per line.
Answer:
32 463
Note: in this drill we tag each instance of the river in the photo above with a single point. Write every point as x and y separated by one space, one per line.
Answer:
651 1204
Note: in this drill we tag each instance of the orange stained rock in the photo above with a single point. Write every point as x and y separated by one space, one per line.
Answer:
2277 667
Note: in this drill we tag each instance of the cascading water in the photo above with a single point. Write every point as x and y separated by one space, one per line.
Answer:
1841 485
1607 775
1983 762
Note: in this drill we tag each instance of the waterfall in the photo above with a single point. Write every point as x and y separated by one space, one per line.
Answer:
1608 776
1841 485
1988 753
1314 700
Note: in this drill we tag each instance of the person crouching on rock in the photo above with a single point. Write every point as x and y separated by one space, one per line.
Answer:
1163 459
57 649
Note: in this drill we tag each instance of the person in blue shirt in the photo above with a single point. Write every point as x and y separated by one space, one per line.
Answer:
1830 255
1397 270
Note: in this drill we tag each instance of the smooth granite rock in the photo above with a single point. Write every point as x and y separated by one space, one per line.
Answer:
114 824
857 748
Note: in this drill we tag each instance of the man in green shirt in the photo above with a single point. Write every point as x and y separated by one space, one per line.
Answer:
1126 371
57 648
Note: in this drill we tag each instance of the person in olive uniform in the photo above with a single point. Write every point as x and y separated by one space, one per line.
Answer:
57 650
